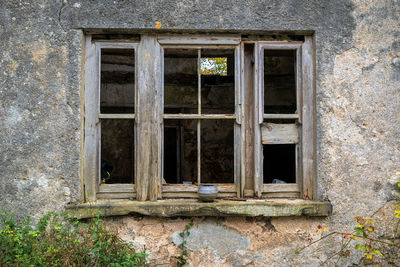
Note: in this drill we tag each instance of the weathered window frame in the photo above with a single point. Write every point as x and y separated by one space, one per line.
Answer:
149 74
92 183
210 42
303 133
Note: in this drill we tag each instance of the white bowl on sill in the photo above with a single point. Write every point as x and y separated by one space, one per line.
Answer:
207 193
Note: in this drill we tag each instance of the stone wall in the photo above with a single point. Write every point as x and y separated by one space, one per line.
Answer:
358 106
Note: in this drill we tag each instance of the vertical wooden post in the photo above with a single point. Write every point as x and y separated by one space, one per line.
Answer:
92 127
258 119
149 119
239 131
248 122
308 120
199 113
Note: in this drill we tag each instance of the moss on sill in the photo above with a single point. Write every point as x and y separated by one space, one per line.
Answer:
192 207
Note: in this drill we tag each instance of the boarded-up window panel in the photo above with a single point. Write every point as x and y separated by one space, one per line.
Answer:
273 133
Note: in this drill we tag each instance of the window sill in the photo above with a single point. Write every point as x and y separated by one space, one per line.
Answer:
190 208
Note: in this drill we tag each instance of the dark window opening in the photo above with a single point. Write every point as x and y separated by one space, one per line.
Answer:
172 157
117 151
117 93
217 151
280 81
180 151
279 164
199 82
180 81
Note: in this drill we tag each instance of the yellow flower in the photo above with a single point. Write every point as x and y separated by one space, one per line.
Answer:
368 256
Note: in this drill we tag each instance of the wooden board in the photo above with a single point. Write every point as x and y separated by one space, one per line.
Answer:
195 195
116 116
239 144
283 195
149 119
198 116
226 188
116 188
190 191
308 120
200 39
275 188
272 133
91 144
258 112
116 195
249 103
280 116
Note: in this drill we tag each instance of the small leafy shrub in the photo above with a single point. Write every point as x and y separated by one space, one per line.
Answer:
363 238
61 240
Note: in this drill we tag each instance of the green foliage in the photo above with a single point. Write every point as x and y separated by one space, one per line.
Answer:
214 66
61 240
365 238
182 258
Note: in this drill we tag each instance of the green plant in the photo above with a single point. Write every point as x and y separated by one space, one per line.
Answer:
182 258
214 66
62 240
363 238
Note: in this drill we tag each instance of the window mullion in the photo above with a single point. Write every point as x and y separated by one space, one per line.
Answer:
198 121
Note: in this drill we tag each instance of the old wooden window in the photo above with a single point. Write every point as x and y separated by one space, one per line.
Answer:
284 126
200 118
109 119
166 113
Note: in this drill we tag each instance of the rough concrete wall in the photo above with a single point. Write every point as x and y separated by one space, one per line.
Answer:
358 66
40 77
